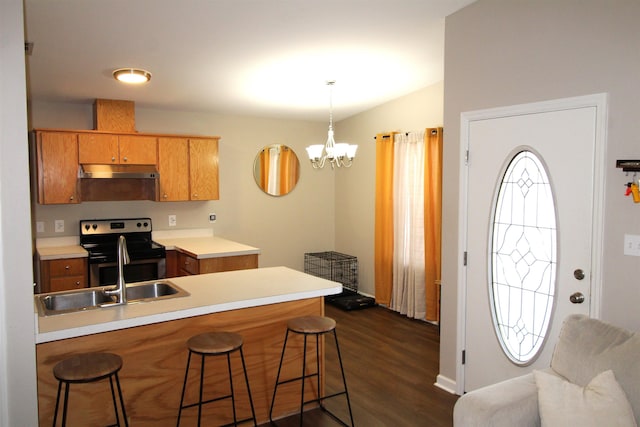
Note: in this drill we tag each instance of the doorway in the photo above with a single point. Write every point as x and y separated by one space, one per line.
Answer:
566 138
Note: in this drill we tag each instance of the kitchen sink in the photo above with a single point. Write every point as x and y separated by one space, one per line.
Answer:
154 290
94 298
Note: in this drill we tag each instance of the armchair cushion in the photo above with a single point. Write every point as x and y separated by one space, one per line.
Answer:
588 347
602 402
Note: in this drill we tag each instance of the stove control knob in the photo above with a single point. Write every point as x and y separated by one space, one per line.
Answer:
87 226
94 226
139 225
146 224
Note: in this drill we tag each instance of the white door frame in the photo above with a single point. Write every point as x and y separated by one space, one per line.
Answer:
600 102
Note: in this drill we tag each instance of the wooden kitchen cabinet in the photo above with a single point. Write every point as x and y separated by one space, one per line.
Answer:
188 169
63 274
57 167
188 265
106 148
203 169
173 166
187 165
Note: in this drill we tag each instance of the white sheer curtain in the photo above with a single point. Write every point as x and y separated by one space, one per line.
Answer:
273 181
408 295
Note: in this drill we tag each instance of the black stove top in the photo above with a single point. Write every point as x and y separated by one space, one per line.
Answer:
100 238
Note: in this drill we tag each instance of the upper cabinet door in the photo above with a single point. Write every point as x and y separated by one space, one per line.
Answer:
203 169
95 148
107 149
57 154
173 166
138 150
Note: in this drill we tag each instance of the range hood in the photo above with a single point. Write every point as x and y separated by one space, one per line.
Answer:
118 171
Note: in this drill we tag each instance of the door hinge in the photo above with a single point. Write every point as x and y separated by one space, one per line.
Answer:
464 258
464 356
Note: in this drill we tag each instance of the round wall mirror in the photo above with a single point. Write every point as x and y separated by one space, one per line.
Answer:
276 169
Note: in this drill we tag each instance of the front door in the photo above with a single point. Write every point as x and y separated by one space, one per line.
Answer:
540 274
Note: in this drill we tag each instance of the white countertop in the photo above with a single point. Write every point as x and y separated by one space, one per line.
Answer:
207 247
47 253
210 293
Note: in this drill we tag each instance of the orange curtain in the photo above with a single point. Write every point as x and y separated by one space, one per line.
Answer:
264 168
432 220
288 170
383 257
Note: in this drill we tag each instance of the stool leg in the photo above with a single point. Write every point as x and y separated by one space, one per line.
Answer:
55 413
113 397
124 410
318 369
275 389
184 386
65 405
246 379
344 380
233 399
304 364
200 393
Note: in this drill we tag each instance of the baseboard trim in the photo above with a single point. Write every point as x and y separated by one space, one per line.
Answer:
446 384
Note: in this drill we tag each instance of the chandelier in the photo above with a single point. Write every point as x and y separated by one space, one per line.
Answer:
340 155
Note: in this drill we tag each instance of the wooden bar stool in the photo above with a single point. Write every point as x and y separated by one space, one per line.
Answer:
312 326
216 344
87 368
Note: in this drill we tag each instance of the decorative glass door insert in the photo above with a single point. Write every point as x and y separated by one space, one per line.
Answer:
523 252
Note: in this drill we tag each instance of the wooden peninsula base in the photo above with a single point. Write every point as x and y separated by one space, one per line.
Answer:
155 357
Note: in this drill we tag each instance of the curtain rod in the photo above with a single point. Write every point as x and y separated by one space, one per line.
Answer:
433 132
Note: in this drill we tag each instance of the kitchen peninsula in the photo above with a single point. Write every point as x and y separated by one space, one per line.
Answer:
151 338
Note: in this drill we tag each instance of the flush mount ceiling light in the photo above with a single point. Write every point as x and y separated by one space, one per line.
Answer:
340 155
132 75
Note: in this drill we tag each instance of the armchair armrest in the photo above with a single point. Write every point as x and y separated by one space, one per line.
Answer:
509 403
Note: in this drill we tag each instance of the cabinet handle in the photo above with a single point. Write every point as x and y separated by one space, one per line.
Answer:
125 159
195 196
67 267
165 195
71 198
113 159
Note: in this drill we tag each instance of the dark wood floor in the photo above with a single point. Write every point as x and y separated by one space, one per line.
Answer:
391 364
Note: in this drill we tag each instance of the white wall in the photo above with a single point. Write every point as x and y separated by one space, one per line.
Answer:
355 187
18 405
500 53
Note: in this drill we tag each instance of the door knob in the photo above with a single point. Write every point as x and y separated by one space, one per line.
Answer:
577 298
578 274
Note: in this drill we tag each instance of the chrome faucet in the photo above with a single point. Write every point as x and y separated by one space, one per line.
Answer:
120 290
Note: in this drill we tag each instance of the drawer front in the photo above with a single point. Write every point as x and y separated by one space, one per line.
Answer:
67 283
67 267
188 263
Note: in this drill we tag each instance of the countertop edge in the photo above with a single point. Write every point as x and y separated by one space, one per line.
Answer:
178 314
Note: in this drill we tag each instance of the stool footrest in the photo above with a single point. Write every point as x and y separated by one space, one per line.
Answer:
290 380
206 401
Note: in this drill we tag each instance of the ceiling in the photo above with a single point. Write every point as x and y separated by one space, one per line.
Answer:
268 58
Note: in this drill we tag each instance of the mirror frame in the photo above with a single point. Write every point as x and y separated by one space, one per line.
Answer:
284 178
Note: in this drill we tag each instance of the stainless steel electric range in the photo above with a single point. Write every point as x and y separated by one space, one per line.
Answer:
100 236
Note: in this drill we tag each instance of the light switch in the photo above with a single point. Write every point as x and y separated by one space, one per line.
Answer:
172 221
632 244
59 225
40 226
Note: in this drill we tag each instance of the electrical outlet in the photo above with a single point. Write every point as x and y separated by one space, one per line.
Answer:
59 225
632 244
40 226
212 217
172 221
